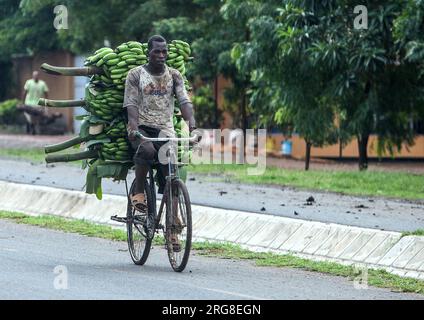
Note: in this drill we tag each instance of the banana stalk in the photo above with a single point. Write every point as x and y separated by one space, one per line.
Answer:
90 154
64 145
61 103
71 71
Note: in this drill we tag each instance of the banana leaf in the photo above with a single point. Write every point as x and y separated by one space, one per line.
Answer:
96 120
87 162
81 117
99 141
115 170
84 129
101 169
93 182
182 170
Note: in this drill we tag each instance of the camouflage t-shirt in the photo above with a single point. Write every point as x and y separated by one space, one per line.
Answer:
154 96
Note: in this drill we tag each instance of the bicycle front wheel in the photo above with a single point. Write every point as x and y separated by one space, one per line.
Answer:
178 225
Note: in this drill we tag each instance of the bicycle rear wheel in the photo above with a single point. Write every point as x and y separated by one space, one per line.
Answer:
178 225
141 227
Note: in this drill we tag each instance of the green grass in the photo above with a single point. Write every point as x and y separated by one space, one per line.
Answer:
32 154
35 155
370 183
67 225
400 185
419 232
377 278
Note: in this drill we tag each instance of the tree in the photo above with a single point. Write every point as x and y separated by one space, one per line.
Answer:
377 90
213 30
361 72
284 84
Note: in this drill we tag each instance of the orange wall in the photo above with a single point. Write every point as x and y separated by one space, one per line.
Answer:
349 151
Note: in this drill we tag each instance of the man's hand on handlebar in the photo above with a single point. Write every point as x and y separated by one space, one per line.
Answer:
132 133
197 133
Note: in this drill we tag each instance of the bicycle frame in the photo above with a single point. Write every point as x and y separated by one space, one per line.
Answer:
170 154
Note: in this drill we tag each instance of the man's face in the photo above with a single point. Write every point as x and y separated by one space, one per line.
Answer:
158 54
35 75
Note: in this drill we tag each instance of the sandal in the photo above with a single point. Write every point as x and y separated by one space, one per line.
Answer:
139 202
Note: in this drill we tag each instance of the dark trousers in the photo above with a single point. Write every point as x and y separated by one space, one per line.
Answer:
146 153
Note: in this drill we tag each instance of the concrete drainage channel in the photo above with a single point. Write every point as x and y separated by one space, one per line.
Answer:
377 249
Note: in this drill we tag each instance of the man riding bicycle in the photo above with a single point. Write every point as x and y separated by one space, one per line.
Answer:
149 100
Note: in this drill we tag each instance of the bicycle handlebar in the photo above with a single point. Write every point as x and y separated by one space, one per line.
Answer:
191 139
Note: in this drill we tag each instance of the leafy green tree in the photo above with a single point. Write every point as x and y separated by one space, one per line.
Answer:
317 52
204 101
23 31
286 88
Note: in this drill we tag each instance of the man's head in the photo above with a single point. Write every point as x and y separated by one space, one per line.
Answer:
158 50
35 75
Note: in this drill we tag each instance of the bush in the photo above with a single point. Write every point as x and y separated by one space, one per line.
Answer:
8 112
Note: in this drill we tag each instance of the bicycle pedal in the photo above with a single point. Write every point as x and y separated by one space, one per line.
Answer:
119 219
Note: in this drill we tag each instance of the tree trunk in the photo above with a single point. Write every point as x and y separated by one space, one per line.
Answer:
244 113
363 153
244 119
308 155
216 122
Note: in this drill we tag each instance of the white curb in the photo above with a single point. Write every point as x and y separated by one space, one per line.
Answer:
313 240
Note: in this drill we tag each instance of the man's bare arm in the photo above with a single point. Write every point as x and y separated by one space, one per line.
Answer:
188 115
132 121
131 103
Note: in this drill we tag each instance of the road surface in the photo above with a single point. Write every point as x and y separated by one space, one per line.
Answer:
38 263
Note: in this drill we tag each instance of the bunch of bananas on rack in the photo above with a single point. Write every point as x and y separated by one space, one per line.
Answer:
103 134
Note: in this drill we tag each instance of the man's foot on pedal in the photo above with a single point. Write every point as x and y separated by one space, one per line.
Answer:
139 202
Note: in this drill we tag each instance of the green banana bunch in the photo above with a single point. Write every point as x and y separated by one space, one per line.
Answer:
97 57
105 97
117 130
119 150
105 104
182 131
108 152
178 54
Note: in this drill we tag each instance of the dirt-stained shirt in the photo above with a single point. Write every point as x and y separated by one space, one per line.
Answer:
154 96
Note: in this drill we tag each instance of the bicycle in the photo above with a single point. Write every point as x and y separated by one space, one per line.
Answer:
177 227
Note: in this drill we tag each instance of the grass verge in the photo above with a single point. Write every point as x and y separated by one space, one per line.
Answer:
419 232
35 155
377 278
32 154
400 185
369 183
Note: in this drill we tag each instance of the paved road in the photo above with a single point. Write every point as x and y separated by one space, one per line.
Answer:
102 269
376 213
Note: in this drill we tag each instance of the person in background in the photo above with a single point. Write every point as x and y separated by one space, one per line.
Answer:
34 89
